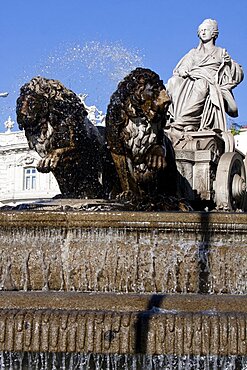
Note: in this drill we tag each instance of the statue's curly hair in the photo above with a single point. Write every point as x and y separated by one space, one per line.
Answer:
48 100
212 24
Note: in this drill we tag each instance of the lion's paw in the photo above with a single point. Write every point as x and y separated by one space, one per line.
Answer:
48 163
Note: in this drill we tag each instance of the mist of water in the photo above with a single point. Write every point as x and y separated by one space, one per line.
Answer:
92 67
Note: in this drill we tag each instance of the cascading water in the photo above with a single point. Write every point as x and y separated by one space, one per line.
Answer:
80 361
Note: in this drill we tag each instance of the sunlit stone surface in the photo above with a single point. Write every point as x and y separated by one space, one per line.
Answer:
124 252
111 283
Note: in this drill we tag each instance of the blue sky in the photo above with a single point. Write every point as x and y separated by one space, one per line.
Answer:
90 45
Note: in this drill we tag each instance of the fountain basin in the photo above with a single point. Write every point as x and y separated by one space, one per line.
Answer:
123 283
123 323
124 252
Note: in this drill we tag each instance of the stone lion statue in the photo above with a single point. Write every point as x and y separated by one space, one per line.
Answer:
135 122
56 126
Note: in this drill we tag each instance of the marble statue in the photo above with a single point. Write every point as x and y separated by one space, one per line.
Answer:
202 83
9 124
94 115
134 159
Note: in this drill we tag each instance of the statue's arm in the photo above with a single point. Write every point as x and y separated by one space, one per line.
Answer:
184 66
232 73
237 73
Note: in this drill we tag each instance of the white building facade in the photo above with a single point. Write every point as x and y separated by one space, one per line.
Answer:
241 140
20 182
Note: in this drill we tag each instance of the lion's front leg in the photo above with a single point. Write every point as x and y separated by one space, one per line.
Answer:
156 157
51 160
127 180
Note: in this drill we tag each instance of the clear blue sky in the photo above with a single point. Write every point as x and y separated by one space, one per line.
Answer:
89 45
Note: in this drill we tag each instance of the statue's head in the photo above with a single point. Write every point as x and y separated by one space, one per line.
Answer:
211 25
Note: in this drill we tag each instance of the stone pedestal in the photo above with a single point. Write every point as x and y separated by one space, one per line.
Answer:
198 155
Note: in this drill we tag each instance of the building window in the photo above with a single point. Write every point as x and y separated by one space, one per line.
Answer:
30 176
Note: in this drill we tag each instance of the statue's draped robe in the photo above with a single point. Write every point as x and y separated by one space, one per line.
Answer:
203 98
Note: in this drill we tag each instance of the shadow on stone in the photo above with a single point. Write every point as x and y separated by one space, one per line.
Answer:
142 324
203 262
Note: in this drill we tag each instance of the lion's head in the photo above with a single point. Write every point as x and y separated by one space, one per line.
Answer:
140 94
46 110
140 97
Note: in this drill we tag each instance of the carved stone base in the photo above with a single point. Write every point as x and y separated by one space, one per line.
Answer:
197 171
211 171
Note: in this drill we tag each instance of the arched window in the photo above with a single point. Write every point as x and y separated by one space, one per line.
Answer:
30 176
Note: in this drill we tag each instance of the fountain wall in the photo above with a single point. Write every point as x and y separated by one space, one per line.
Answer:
124 252
123 282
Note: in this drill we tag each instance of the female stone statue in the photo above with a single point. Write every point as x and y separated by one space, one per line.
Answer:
202 83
